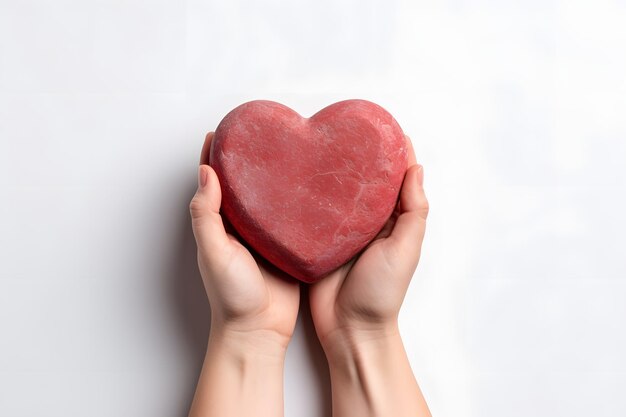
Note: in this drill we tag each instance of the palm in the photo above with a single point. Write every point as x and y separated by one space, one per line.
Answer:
353 295
363 289
252 292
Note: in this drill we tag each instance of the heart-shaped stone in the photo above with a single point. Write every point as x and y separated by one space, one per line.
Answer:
309 193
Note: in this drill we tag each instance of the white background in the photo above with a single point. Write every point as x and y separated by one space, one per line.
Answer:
517 110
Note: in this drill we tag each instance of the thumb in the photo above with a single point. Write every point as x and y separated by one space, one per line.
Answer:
410 226
205 211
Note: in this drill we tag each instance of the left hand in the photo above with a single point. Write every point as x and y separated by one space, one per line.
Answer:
248 297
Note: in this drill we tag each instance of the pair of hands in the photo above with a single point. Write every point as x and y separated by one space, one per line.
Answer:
251 299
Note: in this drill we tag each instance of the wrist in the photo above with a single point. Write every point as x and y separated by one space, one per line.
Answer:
371 375
357 357
349 340
261 343
242 375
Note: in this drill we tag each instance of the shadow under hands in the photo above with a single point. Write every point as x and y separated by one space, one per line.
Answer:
315 353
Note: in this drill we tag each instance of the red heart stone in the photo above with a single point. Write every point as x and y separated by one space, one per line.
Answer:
309 194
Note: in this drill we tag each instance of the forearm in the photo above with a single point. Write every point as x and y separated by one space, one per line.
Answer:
241 376
371 376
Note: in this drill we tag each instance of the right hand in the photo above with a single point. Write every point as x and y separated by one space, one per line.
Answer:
362 299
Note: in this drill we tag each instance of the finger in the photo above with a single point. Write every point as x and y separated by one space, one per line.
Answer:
410 152
204 208
410 225
206 149
388 227
412 196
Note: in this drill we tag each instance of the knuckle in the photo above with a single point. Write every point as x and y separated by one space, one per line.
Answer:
424 208
195 207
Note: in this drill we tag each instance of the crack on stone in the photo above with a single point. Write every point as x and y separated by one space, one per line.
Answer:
333 173
357 199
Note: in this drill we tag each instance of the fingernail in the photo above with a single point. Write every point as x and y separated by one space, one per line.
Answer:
420 175
202 176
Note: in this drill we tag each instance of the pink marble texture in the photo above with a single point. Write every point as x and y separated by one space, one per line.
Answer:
309 193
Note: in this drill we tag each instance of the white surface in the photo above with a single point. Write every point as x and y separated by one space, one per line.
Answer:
516 109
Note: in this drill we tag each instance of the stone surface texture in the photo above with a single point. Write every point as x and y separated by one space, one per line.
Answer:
309 193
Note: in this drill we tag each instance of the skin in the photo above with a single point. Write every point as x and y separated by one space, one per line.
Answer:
355 311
